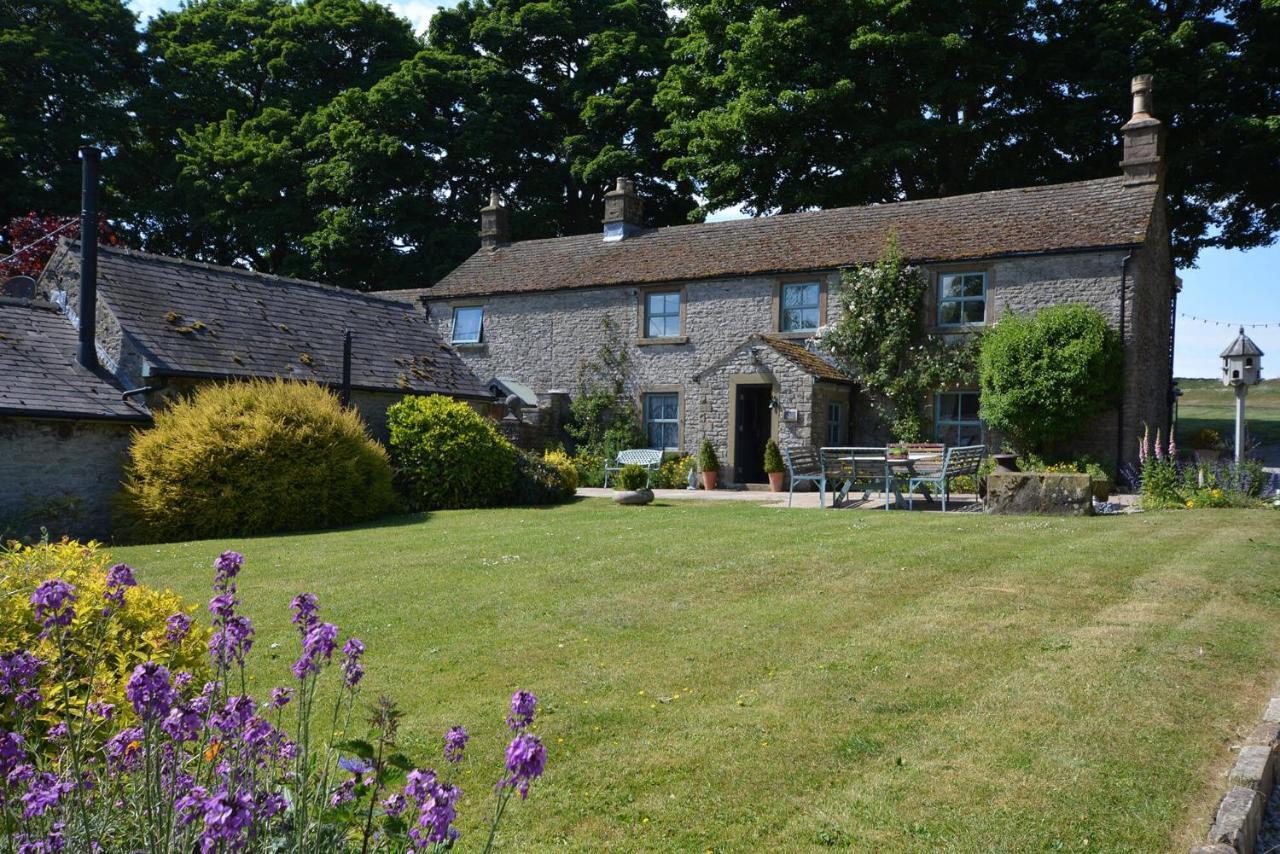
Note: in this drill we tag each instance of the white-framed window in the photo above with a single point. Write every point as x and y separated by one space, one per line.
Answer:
835 424
662 420
955 418
468 323
662 314
799 306
962 299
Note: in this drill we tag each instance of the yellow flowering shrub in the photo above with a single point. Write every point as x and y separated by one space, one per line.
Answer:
134 633
568 471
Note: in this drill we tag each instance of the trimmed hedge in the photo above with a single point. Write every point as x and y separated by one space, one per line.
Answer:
447 456
540 481
253 457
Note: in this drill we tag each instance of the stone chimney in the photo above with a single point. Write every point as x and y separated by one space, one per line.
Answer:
623 211
495 230
1143 137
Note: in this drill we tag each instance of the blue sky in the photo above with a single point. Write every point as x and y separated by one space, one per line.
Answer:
1231 286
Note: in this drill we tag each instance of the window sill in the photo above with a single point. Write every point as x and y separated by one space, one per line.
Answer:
797 336
646 342
468 346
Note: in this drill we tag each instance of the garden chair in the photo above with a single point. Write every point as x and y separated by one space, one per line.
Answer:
865 466
647 458
804 465
956 462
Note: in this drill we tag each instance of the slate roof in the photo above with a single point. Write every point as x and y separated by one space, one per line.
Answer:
194 319
39 374
1033 220
805 359
1242 346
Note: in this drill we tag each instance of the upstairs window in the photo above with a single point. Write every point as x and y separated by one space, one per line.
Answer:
962 299
800 307
467 324
662 421
662 314
956 420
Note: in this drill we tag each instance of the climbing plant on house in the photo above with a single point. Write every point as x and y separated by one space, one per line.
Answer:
881 338
605 419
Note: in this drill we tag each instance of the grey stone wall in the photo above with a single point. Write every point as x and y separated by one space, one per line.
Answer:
61 475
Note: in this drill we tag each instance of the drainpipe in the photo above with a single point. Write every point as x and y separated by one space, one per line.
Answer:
1124 275
88 355
346 368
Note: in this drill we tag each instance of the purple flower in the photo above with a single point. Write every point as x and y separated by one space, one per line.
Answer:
280 697
190 805
227 566
395 804
355 765
124 749
119 577
271 804
177 627
436 808
454 741
344 793
99 709
226 817
232 639
236 714
526 759
43 791
53 602
149 690
182 723
523 705
58 731
320 642
13 753
305 610
18 672
352 671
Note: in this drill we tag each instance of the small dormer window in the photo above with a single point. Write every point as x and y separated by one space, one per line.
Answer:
468 322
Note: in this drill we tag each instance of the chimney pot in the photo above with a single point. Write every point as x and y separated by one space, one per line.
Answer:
623 211
1143 134
495 229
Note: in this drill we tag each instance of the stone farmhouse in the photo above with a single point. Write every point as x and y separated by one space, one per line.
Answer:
70 396
719 318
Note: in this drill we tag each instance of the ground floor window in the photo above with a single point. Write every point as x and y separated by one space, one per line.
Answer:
662 420
835 424
956 420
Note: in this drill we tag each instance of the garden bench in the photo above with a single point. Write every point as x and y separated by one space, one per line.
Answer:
647 458
804 465
956 462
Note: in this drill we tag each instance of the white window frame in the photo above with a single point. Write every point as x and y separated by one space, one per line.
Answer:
835 423
648 421
815 307
649 316
961 301
453 335
961 424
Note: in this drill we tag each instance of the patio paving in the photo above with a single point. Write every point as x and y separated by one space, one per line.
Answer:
803 500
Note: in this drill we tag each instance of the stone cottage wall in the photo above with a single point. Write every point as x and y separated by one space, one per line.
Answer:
61 475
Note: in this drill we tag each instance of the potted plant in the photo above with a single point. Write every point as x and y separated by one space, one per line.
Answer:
708 464
633 486
773 465
1206 444
897 452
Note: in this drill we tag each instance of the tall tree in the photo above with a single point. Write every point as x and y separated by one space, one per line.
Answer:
782 107
67 67
217 170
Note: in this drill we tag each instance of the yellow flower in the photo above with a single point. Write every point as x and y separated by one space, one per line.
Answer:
1190 504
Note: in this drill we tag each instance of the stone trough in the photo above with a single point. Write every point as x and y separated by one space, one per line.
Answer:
1044 493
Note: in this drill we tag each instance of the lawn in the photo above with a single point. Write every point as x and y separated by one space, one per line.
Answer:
1208 403
732 677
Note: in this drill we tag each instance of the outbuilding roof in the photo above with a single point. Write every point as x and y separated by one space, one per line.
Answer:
1242 346
39 374
1103 213
201 320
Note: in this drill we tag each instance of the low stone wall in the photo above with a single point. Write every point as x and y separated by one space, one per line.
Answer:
1027 493
1238 819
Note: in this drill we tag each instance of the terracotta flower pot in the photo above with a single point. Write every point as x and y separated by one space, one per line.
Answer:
710 479
775 481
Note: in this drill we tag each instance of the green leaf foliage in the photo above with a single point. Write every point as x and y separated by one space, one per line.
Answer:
446 455
1044 377
707 460
773 458
632 478
253 458
540 481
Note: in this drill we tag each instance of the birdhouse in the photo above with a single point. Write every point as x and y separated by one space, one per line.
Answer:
1242 362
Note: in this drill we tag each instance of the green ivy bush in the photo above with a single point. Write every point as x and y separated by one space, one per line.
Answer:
1043 378
632 478
447 456
253 458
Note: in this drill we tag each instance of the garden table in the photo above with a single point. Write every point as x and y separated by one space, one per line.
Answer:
894 468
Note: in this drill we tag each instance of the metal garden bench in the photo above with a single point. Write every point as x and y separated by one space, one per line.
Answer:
955 463
647 458
804 465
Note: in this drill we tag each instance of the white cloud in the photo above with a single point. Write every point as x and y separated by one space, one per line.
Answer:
418 12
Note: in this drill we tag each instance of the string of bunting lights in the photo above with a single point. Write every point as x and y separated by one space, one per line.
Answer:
1226 322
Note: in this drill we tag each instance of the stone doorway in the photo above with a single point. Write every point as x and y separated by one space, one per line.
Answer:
752 426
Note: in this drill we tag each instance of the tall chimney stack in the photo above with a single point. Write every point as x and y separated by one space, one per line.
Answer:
495 230
88 355
623 211
1143 137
